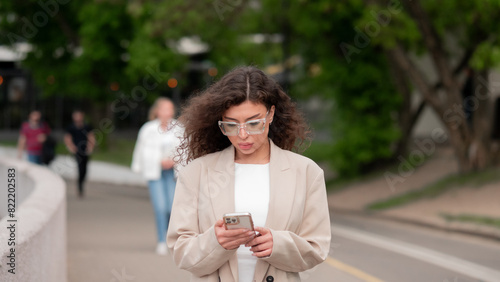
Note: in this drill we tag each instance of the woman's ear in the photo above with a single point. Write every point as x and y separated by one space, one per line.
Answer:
271 113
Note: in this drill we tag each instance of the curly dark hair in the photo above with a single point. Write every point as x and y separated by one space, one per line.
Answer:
199 117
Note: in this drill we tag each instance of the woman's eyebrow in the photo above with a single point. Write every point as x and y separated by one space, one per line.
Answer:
250 118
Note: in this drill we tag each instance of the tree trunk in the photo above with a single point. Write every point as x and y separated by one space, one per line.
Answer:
407 116
450 108
461 147
480 151
451 113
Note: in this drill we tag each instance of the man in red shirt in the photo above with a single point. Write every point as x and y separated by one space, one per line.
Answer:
33 133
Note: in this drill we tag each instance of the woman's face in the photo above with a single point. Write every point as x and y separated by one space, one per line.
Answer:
253 146
165 111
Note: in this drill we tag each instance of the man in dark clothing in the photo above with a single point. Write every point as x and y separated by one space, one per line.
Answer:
80 140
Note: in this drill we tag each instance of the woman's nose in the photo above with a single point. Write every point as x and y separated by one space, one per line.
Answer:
243 133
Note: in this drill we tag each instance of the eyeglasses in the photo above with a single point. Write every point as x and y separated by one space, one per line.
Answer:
252 127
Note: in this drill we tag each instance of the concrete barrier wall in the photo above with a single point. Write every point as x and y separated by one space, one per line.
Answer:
38 227
24 187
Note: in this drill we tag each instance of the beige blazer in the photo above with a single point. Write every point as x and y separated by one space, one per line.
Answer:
298 218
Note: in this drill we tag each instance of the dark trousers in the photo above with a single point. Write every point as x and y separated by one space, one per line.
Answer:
81 160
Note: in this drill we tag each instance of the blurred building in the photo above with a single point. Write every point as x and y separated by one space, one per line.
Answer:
17 90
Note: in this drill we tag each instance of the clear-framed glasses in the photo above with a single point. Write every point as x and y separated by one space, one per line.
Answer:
252 127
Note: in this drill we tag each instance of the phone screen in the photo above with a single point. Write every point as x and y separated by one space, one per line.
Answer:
238 220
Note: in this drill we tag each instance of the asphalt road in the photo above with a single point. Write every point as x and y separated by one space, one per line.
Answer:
111 237
395 252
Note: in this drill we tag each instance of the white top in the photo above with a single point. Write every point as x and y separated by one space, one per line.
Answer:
251 194
154 144
170 140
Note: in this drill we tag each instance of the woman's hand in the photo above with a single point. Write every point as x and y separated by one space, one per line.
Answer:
262 245
167 164
232 239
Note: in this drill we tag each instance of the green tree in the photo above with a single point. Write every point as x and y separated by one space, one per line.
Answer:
465 41
87 46
363 54
363 36
363 122
77 47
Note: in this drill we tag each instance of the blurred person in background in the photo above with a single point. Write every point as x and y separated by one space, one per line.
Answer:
80 141
153 157
32 135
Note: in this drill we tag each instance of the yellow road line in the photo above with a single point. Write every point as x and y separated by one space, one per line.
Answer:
351 270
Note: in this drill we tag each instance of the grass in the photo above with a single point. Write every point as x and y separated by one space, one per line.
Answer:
439 187
469 218
118 151
9 143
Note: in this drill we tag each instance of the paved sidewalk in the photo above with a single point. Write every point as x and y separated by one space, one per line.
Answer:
112 237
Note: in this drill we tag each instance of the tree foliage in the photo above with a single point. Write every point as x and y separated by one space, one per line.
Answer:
363 121
77 47
362 54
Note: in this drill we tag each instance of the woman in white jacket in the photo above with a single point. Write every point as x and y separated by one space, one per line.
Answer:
153 157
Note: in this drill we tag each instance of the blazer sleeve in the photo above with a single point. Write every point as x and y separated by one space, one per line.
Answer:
296 252
194 250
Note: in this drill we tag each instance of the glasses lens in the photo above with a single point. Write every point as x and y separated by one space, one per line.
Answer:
251 127
255 126
229 128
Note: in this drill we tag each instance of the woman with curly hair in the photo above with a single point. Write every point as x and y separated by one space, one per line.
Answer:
239 134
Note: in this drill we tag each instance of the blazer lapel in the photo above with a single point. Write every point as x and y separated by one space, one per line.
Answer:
221 183
221 192
282 192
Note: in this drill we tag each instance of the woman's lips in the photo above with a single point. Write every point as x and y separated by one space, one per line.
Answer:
245 146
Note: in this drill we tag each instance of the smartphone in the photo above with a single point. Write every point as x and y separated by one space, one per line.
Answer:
238 220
